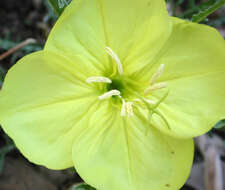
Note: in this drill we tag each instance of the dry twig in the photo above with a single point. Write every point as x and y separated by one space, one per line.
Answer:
16 48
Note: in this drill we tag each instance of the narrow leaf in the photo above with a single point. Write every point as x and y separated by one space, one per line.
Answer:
220 124
83 186
59 5
206 12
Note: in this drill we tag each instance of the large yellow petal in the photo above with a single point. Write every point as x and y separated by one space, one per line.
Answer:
194 59
134 29
42 97
114 153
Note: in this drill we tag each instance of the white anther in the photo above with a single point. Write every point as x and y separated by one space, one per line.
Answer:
116 59
109 94
129 106
98 79
157 74
123 109
155 87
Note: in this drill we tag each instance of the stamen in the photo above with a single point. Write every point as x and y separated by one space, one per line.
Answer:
98 79
109 94
147 100
137 100
123 109
129 106
116 59
155 87
150 101
157 74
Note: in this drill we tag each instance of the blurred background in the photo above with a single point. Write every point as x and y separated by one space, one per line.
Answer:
24 27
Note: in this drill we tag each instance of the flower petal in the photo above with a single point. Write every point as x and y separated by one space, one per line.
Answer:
195 73
115 153
42 97
128 27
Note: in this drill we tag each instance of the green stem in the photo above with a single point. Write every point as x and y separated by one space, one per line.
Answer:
203 14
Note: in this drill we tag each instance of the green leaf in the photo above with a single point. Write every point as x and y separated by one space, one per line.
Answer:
59 5
83 187
203 13
220 124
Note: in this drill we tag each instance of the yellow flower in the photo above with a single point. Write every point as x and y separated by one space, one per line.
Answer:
118 92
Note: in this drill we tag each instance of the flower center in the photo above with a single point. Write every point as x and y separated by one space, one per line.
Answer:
117 87
115 84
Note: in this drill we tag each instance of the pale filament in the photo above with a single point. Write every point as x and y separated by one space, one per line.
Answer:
123 108
152 84
156 86
98 79
147 100
109 94
157 74
116 59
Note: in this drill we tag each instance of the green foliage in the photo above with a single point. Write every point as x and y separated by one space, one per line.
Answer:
194 10
220 125
83 187
51 15
209 8
59 5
